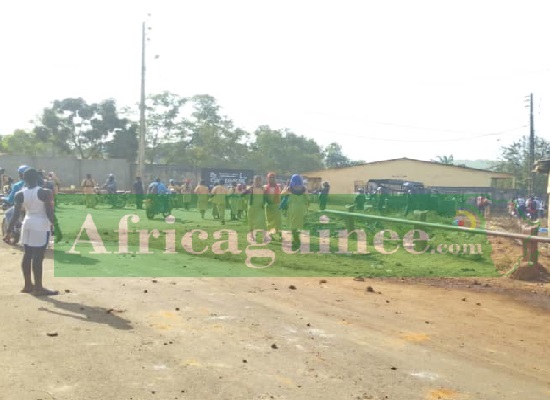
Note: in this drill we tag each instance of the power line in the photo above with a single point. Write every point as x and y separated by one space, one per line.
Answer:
387 123
399 125
459 139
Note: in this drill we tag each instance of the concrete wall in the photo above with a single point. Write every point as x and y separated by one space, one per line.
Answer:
100 170
70 170
343 180
179 173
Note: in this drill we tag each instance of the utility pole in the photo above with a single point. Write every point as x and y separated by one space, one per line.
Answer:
142 127
531 147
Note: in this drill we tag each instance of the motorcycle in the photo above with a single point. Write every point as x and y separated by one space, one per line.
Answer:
16 234
157 204
5 204
117 200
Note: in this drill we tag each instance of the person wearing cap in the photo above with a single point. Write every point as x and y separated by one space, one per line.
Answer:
110 185
297 206
173 187
157 187
17 186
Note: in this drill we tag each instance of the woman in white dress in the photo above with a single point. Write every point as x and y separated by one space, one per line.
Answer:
35 231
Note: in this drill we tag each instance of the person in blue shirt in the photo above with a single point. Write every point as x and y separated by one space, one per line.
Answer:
162 189
17 186
110 185
156 188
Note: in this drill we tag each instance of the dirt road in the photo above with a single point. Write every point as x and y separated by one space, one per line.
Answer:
243 338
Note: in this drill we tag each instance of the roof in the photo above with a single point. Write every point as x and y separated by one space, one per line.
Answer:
415 160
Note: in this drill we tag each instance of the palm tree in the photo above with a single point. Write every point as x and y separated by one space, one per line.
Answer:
448 160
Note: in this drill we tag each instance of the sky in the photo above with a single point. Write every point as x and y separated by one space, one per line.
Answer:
384 79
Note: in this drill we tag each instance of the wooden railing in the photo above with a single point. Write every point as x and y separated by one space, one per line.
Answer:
528 236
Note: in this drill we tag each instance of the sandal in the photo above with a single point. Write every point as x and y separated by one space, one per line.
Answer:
45 292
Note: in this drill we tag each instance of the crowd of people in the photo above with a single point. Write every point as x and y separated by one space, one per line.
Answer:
531 208
261 203
47 179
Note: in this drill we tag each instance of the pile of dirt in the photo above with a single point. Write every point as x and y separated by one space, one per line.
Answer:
507 253
525 271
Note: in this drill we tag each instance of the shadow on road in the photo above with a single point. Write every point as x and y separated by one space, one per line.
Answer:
70 259
82 312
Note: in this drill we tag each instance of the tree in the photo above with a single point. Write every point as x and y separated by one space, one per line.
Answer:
165 125
124 144
76 127
209 138
283 151
334 158
515 160
448 160
22 142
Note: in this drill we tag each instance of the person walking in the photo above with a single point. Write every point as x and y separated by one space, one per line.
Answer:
35 230
235 201
202 197
88 187
323 196
256 203
359 201
175 193
139 192
110 184
218 194
241 187
186 195
53 180
159 192
297 206
272 213
51 185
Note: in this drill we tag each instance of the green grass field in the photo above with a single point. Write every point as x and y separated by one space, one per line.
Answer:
226 255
